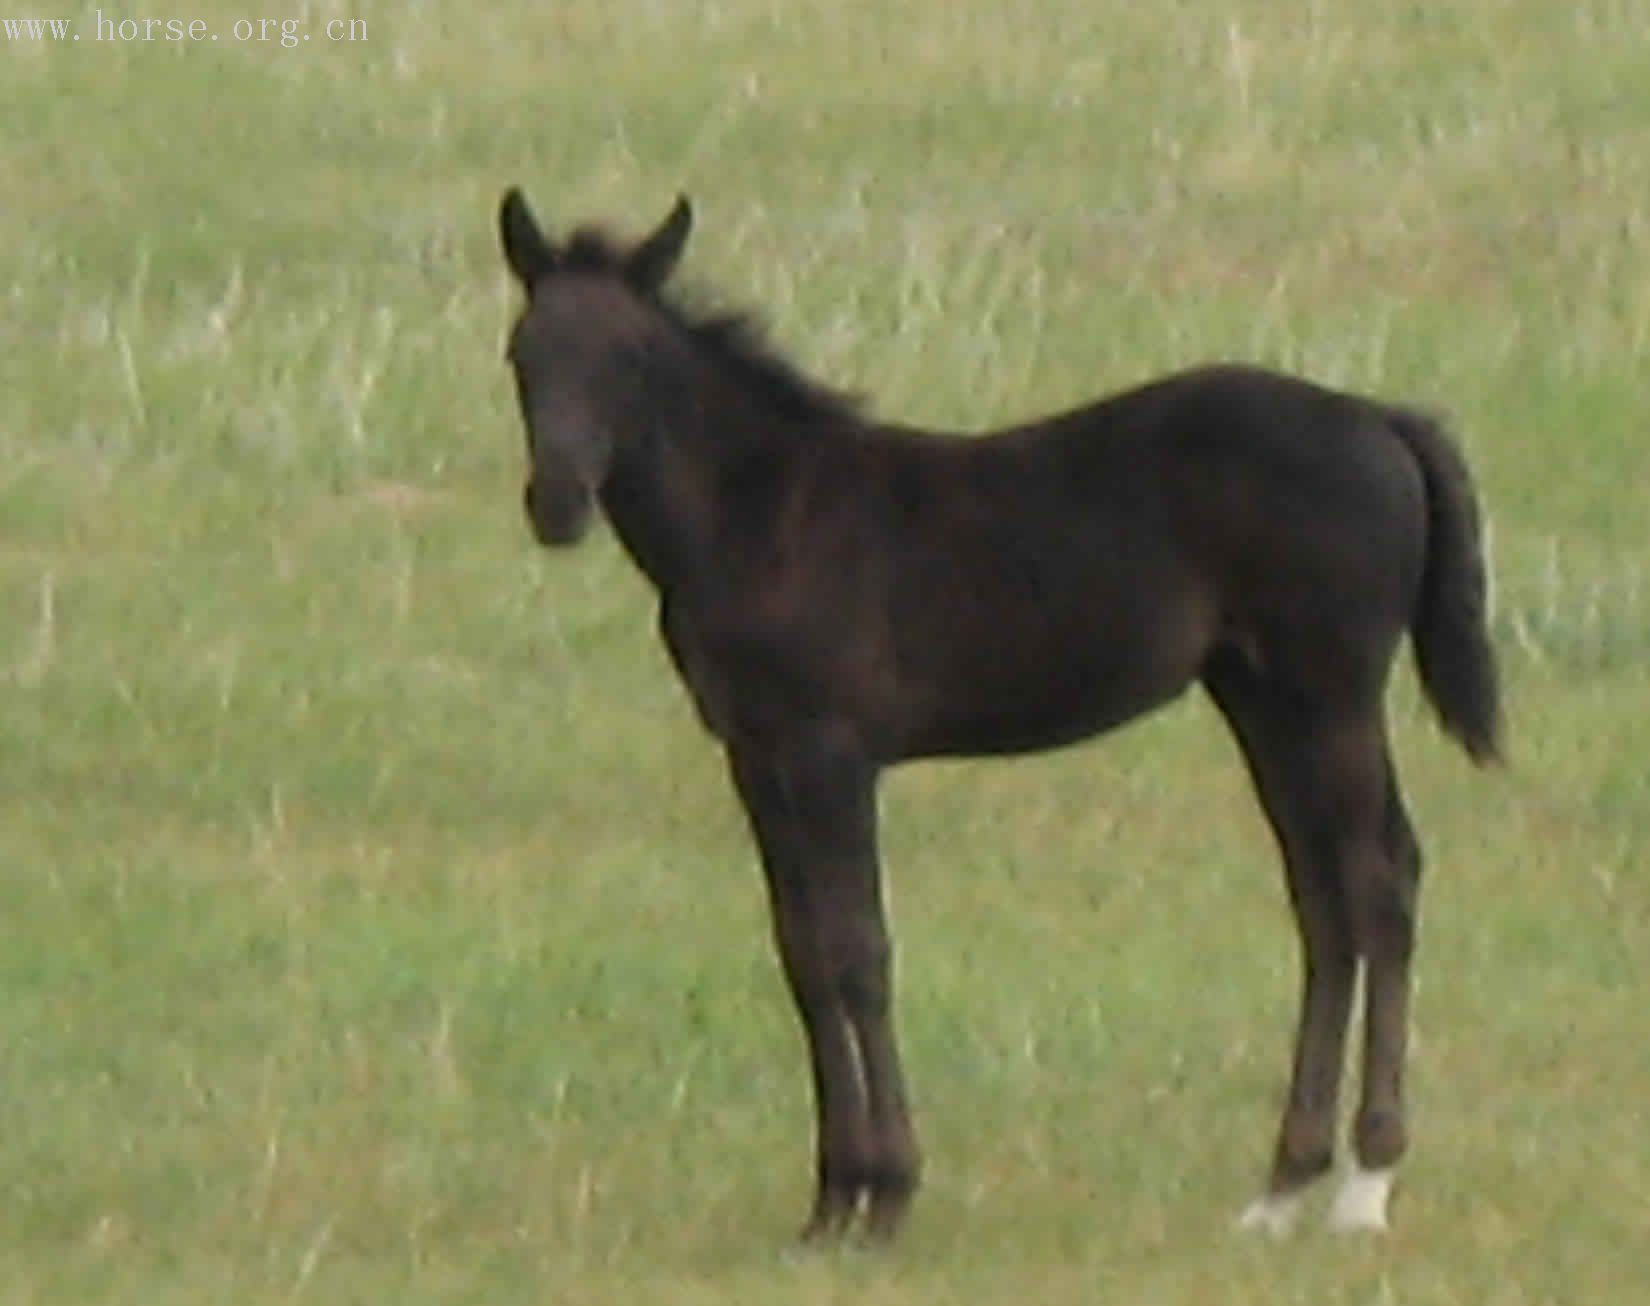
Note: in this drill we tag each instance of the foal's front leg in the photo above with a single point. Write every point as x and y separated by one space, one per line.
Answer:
812 809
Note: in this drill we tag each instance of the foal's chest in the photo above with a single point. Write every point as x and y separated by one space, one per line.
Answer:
708 683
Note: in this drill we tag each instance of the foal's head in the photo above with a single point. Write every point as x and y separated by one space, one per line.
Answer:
578 350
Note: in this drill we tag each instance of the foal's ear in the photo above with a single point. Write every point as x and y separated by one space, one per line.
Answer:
651 263
528 253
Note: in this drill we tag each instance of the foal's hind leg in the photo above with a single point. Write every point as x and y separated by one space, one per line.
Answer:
1276 734
1368 858
1383 892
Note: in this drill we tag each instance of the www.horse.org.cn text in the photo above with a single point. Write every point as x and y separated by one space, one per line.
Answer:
108 27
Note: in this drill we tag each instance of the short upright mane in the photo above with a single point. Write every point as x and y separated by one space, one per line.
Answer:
737 342
733 341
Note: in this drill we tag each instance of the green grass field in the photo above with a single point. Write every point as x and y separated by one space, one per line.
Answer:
377 926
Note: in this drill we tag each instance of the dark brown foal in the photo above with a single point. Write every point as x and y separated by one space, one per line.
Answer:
840 595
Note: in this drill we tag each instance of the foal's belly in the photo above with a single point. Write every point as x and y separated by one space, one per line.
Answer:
1030 705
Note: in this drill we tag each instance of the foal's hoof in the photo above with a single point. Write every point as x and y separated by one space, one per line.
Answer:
875 1213
885 1216
836 1211
826 1228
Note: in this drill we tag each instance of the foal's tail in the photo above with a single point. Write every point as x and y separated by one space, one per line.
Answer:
1450 627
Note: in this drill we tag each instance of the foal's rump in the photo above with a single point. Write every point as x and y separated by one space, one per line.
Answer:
1331 524
1301 505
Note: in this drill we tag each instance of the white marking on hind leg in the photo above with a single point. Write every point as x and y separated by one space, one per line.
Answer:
1275 1214
1360 1205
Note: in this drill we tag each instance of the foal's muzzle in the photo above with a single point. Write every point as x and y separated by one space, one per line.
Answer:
558 518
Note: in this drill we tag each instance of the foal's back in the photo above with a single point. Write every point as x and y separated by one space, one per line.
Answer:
1046 582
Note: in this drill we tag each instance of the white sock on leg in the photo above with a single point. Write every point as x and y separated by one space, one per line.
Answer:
1360 1205
1275 1214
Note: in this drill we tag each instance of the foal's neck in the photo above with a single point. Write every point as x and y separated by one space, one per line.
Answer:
700 468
